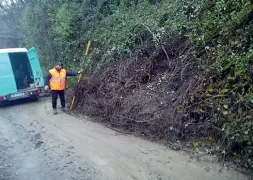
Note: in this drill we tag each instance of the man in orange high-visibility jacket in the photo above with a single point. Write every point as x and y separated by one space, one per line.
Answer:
56 78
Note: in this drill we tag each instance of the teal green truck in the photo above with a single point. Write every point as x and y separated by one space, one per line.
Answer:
20 74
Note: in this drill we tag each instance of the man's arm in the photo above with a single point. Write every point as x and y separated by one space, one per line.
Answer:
47 79
49 76
68 73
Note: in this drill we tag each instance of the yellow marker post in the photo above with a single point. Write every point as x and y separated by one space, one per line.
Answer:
87 48
80 76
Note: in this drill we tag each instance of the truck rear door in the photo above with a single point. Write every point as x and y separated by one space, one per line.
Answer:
35 65
7 79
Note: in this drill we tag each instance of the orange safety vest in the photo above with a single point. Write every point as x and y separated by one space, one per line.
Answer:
58 79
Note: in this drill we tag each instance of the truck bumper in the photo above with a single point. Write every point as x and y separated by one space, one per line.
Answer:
21 94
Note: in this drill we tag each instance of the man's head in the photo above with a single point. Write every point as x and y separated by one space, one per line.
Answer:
58 66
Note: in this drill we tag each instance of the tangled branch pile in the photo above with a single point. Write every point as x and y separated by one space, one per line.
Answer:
144 91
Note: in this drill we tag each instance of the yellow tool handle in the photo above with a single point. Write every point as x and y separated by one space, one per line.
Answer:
87 48
79 78
80 75
72 103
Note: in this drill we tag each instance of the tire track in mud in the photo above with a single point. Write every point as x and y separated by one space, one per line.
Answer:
6 173
26 155
43 146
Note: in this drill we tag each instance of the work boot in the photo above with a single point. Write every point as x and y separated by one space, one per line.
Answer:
54 111
64 109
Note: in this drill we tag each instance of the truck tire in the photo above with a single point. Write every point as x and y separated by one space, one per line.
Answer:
3 104
34 98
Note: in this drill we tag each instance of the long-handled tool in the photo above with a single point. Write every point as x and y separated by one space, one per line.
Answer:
80 75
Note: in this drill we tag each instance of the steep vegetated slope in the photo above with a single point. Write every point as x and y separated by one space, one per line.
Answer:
185 78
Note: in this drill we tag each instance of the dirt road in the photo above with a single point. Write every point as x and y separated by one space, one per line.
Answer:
35 145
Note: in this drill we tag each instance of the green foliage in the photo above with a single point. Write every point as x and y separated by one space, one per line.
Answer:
221 32
10 24
36 31
64 17
118 33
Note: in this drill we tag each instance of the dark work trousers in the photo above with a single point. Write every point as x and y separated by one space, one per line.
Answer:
55 94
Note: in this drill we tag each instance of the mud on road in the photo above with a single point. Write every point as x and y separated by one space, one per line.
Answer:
35 145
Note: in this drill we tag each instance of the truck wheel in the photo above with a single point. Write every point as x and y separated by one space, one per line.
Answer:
34 98
2 104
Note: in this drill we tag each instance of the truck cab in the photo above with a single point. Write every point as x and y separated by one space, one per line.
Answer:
20 74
